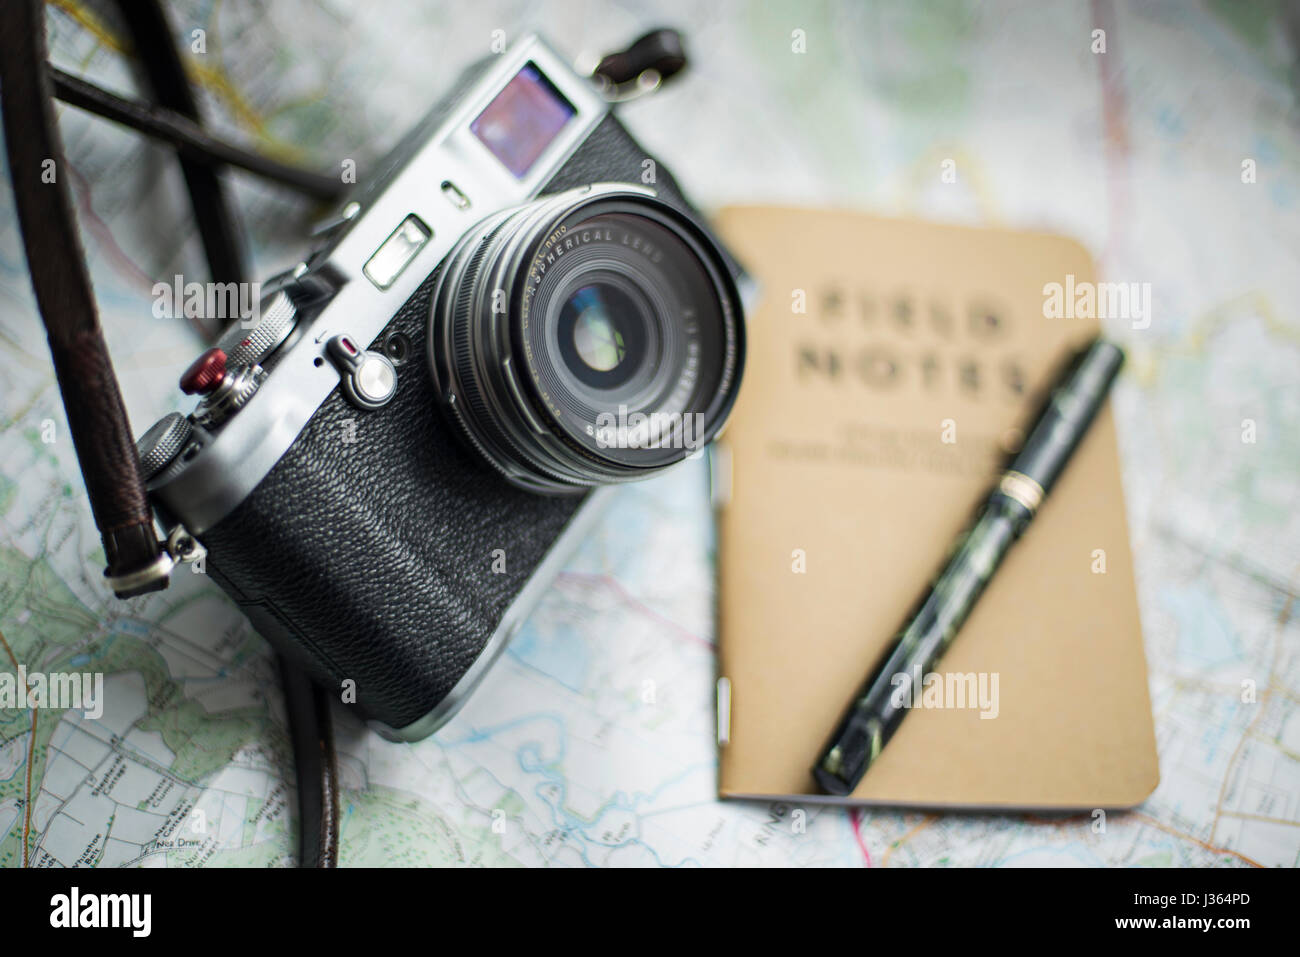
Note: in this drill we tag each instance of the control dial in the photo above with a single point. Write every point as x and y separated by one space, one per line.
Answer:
253 345
162 443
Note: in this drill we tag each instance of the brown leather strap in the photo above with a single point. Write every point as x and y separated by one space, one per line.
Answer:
155 45
96 416
189 137
311 731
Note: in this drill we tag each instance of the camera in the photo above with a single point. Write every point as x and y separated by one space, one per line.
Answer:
392 458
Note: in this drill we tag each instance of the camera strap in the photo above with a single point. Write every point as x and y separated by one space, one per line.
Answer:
97 420
171 88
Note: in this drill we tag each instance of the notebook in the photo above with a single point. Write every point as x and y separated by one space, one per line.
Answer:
892 366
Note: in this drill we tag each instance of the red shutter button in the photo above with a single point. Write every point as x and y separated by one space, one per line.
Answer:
205 374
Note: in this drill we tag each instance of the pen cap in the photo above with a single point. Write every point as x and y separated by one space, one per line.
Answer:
1075 402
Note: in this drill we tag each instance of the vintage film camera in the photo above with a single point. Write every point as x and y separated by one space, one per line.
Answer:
389 464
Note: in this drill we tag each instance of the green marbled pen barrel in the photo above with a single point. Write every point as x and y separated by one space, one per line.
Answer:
879 707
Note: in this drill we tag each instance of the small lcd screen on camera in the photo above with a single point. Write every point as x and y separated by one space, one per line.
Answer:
522 120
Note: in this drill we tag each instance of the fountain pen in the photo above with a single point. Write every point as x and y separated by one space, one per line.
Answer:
879 707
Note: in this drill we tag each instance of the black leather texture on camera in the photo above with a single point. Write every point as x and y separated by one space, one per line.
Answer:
372 560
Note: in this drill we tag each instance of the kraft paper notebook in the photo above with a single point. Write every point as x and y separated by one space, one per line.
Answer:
890 364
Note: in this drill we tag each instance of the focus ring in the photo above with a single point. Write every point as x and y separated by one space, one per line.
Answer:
478 410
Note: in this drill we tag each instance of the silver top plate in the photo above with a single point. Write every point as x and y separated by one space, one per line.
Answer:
236 459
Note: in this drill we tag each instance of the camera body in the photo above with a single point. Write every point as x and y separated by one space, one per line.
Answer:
341 497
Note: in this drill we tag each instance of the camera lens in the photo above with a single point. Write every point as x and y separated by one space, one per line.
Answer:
590 337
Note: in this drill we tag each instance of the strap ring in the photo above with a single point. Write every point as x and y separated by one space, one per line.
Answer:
124 586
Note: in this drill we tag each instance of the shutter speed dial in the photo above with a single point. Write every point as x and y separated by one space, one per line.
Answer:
228 375
252 345
224 377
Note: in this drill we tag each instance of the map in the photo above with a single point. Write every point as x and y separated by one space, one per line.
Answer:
591 742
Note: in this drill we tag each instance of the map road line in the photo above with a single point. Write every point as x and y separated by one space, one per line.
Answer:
31 756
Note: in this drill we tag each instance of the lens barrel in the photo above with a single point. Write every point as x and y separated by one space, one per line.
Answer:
589 337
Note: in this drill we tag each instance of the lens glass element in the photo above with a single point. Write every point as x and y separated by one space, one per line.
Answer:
597 325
